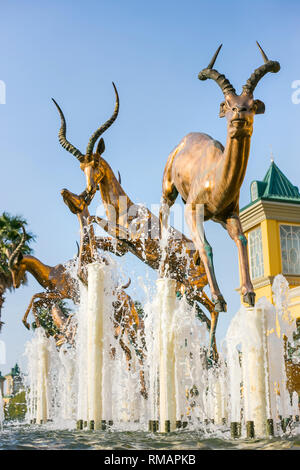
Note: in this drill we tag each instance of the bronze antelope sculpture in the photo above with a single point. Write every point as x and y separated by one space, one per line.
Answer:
205 173
61 285
55 279
122 214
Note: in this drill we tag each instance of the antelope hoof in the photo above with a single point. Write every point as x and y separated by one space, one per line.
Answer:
60 342
220 304
196 258
26 324
249 298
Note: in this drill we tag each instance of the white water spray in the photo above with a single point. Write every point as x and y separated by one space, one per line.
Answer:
93 381
1 411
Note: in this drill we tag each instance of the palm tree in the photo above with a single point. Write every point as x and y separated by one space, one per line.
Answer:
10 236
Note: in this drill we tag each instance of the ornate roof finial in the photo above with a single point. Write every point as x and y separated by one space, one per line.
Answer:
272 155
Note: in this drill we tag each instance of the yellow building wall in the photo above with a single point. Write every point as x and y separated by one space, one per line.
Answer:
6 400
265 291
9 385
270 231
271 247
294 304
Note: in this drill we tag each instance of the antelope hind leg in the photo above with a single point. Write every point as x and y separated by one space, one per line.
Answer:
235 231
213 354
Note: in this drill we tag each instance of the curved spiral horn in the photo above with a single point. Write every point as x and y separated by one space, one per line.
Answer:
220 79
124 286
103 128
78 249
260 72
16 251
62 136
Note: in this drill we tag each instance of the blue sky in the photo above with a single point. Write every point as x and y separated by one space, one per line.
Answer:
72 50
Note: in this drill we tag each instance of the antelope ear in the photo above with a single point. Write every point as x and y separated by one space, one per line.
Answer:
260 107
100 146
222 109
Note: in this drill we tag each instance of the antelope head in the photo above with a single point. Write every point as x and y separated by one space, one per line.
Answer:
15 265
240 109
90 163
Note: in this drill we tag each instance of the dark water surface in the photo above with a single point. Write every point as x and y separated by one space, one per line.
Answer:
25 437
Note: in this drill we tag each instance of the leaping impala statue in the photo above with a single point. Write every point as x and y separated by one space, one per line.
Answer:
205 173
123 214
59 285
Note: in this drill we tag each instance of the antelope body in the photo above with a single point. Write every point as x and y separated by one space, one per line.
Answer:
57 281
206 174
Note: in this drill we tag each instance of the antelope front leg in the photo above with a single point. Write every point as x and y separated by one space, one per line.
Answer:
211 325
213 353
42 295
234 228
205 251
127 352
24 320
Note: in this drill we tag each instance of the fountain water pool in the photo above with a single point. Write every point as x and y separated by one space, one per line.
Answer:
243 395
1 411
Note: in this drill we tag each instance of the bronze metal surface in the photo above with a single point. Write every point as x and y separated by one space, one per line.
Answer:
206 174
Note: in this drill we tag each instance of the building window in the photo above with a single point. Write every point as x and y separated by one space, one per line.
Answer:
256 254
254 191
290 249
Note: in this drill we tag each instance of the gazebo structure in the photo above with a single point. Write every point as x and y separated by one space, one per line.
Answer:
271 222
14 382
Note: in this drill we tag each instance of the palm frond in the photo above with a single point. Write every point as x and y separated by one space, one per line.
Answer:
10 236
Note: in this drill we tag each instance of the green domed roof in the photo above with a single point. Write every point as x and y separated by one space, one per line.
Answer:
274 187
15 371
278 186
